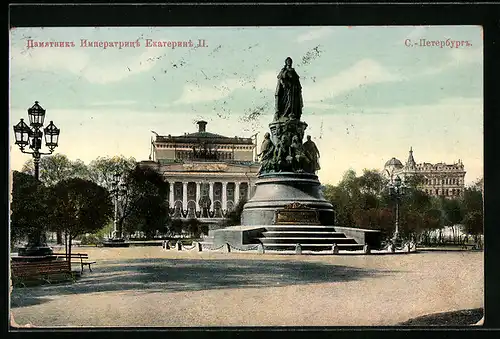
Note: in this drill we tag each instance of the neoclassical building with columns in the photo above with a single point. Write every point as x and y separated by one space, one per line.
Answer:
208 174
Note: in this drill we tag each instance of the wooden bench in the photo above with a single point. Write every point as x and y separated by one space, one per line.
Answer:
22 271
82 256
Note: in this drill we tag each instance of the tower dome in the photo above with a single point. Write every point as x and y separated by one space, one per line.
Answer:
394 163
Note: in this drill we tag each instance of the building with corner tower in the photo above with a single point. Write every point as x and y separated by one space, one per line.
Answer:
441 179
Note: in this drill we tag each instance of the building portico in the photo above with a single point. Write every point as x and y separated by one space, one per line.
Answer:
207 174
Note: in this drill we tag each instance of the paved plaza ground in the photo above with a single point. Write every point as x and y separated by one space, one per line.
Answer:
147 286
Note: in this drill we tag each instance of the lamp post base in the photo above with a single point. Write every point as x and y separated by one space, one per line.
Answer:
115 242
396 240
38 251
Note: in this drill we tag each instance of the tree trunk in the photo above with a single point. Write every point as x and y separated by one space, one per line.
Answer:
59 237
69 252
66 244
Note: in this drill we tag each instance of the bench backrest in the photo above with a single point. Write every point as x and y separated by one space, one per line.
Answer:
73 255
19 269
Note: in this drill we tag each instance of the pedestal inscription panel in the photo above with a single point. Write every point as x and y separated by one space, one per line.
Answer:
296 213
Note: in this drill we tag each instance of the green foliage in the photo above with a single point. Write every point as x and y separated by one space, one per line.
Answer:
453 211
193 227
365 202
144 205
102 169
234 216
57 167
28 207
473 223
175 227
79 206
91 239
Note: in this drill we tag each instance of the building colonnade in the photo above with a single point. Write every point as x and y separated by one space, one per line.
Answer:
196 195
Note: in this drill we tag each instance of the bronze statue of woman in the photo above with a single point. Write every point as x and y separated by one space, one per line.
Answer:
288 96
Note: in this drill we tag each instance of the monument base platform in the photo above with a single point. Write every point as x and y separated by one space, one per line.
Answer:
287 197
115 243
38 251
286 237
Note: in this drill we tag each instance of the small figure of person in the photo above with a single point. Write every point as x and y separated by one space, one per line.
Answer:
266 153
312 153
282 158
299 158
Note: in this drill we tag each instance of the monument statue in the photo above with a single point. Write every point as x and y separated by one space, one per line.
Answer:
288 96
266 153
287 197
312 153
282 150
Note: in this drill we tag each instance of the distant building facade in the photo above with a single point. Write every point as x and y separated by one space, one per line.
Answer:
439 179
208 174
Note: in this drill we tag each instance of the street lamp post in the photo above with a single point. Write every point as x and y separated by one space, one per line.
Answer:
396 189
31 137
119 188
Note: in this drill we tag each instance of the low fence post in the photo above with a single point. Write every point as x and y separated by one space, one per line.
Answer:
179 246
392 248
261 248
335 249
367 249
228 248
200 247
298 249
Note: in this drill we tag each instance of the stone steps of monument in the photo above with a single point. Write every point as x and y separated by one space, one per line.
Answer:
312 247
313 234
307 240
300 228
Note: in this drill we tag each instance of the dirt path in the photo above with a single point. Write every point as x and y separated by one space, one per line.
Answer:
145 286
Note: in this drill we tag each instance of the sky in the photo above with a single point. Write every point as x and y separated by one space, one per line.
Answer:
370 93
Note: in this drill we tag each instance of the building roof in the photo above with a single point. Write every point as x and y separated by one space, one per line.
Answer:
202 136
394 162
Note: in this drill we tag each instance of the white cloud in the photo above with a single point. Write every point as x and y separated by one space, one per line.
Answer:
417 32
207 92
457 57
113 103
366 141
316 33
364 72
266 80
194 93
79 62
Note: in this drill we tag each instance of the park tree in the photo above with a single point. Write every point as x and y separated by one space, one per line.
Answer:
473 224
102 170
175 227
345 197
454 214
144 205
233 217
29 203
79 206
193 227
372 182
472 204
57 167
